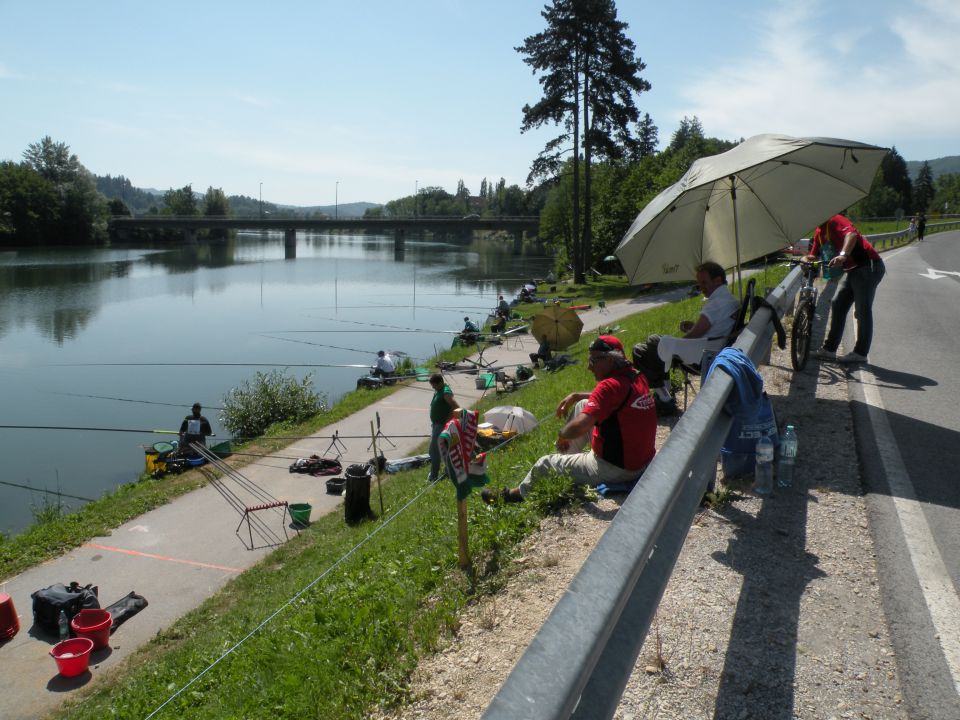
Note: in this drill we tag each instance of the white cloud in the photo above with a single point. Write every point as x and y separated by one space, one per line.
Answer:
890 84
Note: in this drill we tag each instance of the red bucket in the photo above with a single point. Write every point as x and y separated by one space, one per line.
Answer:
9 622
72 656
93 624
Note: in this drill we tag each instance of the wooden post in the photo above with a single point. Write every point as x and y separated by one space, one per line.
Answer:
462 535
376 466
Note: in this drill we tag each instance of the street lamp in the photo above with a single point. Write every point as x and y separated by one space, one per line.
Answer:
416 196
261 201
336 201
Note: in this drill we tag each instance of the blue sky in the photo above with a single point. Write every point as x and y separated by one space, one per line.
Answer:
384 96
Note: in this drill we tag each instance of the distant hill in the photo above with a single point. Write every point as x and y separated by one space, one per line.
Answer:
140 200
356 209
941 166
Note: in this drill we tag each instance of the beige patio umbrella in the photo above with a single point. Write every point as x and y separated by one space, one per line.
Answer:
750 201
561 326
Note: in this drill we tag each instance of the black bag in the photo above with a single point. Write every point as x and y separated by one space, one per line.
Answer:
125 608
72 598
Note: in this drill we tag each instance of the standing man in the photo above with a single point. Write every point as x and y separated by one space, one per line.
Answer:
194 429
442 406
717 319
862 272
921 225
619 413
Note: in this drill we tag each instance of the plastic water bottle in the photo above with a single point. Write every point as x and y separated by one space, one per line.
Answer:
763 471
788 456
64 625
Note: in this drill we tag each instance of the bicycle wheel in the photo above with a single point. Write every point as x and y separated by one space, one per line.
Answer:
800 336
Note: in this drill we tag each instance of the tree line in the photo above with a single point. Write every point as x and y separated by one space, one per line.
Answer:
603 167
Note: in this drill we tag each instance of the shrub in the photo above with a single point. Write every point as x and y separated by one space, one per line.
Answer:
271 397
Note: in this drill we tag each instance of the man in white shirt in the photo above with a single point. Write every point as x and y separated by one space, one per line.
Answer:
385 366
710 331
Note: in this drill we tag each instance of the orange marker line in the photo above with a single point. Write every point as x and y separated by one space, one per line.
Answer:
136 553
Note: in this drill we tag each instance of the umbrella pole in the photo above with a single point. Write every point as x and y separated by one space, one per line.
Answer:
736 231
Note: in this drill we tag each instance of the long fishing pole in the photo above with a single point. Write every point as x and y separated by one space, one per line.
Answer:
49 492
130 400
395 327
335 347
93 429
203 364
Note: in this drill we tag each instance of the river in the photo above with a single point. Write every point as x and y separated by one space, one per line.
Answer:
66 314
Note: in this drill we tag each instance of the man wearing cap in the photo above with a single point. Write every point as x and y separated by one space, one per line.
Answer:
620 416
717 319
194 429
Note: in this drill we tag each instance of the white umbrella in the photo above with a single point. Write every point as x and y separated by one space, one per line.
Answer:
745 203
511 417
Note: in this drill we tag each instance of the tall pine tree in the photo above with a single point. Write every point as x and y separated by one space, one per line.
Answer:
587 66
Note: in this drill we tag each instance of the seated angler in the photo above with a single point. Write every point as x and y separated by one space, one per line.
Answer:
543 352
717 319
194 429
618 414
385 366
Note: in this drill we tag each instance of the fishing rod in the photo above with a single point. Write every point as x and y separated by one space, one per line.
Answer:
204 364
95 429
394 353
395 327
49 492
131 400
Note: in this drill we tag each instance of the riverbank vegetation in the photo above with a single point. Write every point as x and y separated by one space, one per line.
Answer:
354 608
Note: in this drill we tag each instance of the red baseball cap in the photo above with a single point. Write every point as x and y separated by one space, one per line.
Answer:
606 343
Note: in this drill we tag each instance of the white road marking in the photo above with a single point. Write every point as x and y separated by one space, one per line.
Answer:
935 583
932 274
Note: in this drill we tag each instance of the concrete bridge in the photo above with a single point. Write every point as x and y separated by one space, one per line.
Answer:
399 226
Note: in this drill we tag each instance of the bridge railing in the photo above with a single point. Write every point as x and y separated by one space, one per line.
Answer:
578 664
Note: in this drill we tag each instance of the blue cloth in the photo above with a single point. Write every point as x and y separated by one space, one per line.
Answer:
607 489
744 403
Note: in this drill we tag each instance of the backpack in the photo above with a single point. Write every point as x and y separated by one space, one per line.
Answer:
48 602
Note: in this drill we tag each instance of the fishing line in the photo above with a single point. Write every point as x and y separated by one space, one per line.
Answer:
307 342
49 492
130 400
204 364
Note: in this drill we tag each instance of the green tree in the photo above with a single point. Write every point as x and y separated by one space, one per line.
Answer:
923 188
647 138
215 204
29 205
588 67
180 202
52 160
946 199
895 176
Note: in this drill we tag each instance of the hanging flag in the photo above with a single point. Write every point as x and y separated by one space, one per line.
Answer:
457 444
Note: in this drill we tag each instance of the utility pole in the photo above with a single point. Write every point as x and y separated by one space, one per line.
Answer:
336 201
416 197
261 201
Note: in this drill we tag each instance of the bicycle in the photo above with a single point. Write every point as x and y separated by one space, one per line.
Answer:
803 314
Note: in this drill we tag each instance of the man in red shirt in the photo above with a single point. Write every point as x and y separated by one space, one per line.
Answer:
619 412
862 272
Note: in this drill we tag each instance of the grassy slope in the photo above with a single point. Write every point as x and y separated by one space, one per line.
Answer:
349 642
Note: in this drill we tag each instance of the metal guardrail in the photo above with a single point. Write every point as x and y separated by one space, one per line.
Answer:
578 664
881 240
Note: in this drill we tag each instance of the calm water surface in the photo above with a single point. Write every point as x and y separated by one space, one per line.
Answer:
238 301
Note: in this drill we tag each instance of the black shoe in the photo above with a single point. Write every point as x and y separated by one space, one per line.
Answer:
666 408
507 495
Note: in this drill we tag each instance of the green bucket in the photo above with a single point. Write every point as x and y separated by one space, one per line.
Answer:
300 513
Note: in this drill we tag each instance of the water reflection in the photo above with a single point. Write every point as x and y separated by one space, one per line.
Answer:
63 312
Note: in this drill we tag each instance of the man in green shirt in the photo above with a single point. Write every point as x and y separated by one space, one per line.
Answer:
442 406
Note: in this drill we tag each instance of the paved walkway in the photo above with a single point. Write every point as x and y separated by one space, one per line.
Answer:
182 553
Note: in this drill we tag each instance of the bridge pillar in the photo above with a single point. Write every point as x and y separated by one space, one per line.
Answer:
517 242
190 236
290 244
399 239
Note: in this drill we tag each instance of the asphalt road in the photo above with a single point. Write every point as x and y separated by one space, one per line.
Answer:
905 404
